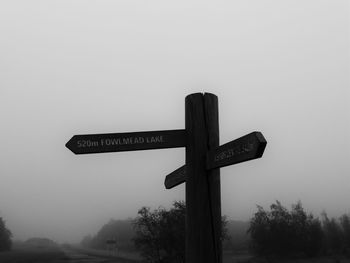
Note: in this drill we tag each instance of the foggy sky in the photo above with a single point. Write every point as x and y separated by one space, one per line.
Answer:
80 67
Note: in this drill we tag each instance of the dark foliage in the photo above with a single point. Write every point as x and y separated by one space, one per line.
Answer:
5 237
160 235
280 232
336 233
285 233
345 224
333 233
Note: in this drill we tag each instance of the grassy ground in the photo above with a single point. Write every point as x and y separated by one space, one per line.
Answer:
309 260
229 257
122 256
31 254
34 254
248 258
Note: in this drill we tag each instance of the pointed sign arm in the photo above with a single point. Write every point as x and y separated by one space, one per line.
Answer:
175 178
129 141
248 147
245 148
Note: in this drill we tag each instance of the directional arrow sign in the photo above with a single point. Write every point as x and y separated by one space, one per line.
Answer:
243 149
175 178
131 141
248 147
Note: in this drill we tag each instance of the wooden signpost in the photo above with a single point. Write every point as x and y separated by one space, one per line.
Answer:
201 172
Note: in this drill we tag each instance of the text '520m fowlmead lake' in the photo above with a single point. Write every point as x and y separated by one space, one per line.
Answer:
201 173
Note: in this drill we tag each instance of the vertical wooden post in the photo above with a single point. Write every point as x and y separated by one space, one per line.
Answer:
213 176
203 220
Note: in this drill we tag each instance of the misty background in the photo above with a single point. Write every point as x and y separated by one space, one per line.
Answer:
80 67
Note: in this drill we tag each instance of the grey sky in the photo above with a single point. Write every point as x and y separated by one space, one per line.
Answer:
75 67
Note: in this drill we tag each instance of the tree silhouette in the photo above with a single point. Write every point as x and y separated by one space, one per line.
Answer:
5 236
160 235
285 233
345 223
334 235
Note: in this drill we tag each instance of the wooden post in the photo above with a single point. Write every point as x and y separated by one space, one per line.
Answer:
213 176
203 220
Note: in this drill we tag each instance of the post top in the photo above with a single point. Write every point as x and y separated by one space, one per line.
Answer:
202 94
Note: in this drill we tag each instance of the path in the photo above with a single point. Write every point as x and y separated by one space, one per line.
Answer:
74 255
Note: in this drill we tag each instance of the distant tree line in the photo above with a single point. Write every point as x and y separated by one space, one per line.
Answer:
294 233
159 235
5 237
120 230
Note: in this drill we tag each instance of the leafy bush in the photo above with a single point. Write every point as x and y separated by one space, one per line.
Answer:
345 224
285 233
160 235
5 236
333 233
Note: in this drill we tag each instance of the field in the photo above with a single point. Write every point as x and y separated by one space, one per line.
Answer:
248 258
120 256
22 253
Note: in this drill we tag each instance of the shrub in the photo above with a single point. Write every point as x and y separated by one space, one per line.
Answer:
5 237
285 233
160 235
